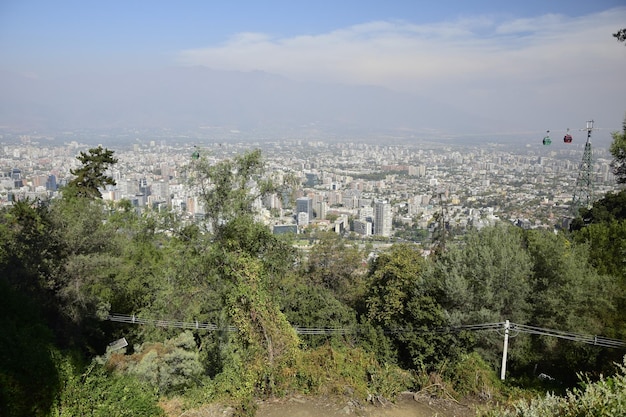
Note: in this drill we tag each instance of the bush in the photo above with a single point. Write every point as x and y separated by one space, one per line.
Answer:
172 366
352 371
472 376
606 397
28 374
100 393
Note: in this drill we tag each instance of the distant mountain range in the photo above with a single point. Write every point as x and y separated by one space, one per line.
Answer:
194 97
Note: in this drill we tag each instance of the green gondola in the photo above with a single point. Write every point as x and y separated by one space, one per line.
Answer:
546 139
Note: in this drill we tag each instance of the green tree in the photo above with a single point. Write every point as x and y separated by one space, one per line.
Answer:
567 294
249 264
30 252
483 279
398 302
317 307
337 266
29 379
497 271
612 207
618 150
229 188
391 277
91 176
607 249
88 249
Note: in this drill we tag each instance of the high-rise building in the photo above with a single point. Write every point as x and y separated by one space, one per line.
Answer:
382 218
366 214
144 188
362 227
16 176
304 205
51 183
322 209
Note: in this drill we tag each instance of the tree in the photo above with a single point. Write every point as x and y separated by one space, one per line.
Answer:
247 261
313 306
567 294
229 188
618 150
485 279
29 250
612 207
392 276
337 266
398 303
90 177
28 378
620 35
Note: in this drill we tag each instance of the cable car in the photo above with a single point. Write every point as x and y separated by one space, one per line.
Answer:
195 154
567 138
546 139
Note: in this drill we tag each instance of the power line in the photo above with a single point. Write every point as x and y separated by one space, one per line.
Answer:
591 340
330 331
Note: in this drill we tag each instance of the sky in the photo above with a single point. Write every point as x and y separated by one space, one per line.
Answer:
515 60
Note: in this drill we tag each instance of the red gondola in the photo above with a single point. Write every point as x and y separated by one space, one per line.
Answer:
567 138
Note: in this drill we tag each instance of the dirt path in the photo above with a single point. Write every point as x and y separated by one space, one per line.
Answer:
300 406
405 406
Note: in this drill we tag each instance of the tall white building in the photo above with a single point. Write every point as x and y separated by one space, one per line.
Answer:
322 209
382 218
366 214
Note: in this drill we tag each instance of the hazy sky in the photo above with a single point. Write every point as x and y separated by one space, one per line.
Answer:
502 58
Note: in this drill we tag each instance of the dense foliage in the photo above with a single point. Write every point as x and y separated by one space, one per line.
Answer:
66 264
91 175
605 397
620 35
618 148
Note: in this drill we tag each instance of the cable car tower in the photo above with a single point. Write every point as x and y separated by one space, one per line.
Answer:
583 193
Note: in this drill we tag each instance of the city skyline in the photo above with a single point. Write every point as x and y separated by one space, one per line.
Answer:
343 182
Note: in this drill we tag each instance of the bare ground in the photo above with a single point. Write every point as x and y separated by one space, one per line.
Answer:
407 405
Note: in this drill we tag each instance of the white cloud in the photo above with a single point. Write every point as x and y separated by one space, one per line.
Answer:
378 52
517 62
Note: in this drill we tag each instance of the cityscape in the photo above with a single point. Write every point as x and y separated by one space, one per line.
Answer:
322 209
401 190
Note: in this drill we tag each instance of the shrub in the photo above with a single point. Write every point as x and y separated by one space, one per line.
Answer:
339 371
100 393
172 366
606 397
471 375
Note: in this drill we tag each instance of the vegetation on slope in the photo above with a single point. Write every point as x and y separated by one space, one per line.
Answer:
66 264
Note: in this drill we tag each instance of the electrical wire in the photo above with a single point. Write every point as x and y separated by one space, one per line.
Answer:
330 331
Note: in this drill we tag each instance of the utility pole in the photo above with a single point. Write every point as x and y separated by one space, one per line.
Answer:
507 326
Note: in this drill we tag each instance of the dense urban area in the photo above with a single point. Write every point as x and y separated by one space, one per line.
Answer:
384 190
167 275
312 209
